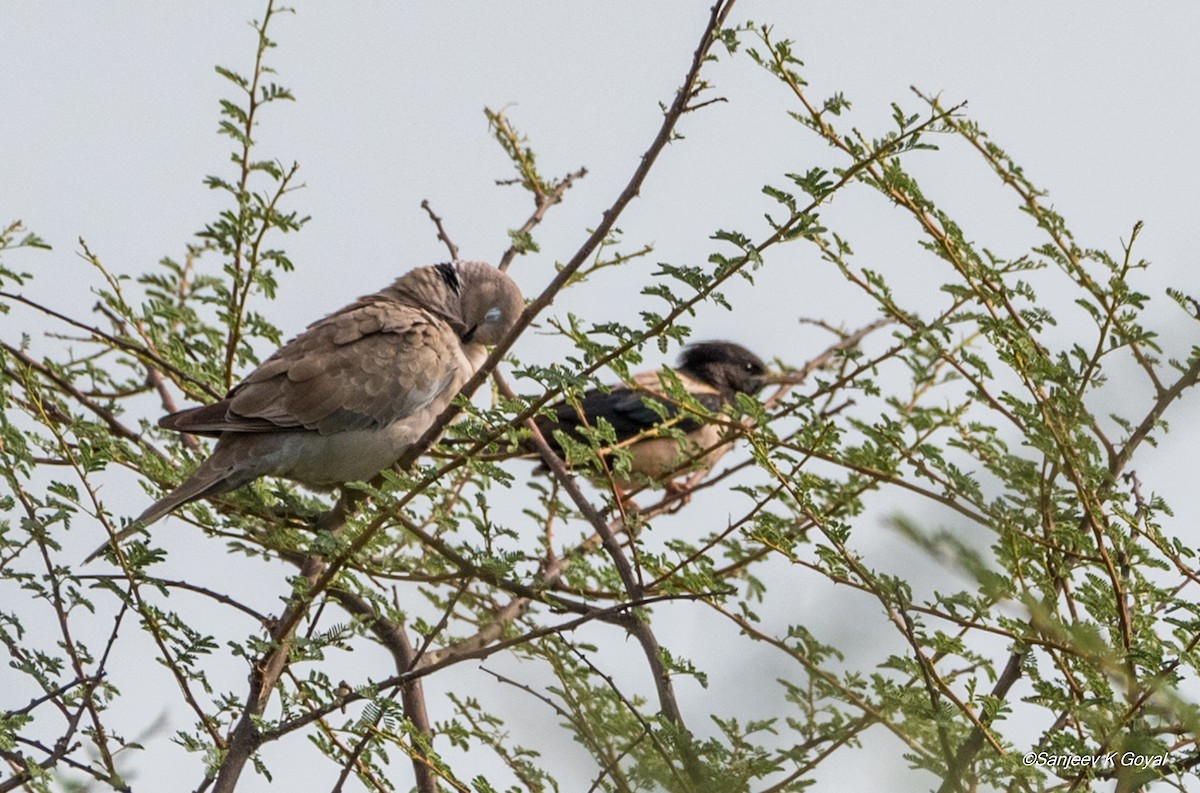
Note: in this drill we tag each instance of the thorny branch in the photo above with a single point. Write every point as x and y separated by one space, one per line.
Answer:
246 735
434 662
640 628
634 595
441 230
395 638
998 303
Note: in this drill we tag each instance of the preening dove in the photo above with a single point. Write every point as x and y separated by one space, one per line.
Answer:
348 396
712 372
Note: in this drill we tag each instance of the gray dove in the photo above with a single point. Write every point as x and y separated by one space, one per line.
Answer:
347 397
711 372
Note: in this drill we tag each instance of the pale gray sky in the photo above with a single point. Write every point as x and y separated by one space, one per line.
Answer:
109 117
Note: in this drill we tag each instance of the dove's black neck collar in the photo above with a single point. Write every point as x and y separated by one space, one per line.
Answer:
449 274
729 368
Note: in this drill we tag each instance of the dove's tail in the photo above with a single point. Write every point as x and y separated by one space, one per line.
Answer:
207 480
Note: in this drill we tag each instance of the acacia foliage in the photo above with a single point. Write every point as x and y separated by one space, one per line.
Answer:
1074 636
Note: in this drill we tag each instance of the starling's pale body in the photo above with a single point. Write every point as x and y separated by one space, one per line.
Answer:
655 458
348 396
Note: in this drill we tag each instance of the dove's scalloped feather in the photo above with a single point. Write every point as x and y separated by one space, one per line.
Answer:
362 369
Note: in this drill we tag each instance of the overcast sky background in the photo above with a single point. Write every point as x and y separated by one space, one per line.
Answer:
109 118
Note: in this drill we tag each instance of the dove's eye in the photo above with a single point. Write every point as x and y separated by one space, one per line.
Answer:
492 314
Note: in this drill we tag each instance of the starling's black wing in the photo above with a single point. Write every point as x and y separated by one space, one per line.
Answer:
629 412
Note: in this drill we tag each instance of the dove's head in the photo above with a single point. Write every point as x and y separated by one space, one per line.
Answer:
489 303
477 300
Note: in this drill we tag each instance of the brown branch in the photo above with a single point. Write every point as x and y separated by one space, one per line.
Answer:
441 230
544 202
105 415
24 776
173 584
118 343
1186 380
88 703
437 661
154 378
246 735
586 736
53 694
639 627
822 360
412 696
245 279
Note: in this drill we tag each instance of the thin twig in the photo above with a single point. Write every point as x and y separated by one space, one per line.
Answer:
441 230
544 202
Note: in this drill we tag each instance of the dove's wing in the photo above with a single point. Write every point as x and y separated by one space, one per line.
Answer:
365 367
345 398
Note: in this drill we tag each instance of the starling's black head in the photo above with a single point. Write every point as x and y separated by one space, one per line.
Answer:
730 368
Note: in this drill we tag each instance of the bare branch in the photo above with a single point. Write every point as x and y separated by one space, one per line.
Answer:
441 230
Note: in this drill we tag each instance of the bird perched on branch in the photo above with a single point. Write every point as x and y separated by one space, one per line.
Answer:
712 373
347 397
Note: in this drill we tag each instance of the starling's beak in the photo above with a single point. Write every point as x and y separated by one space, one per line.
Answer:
794 377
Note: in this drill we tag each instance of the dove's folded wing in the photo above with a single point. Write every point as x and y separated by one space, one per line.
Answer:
363 368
